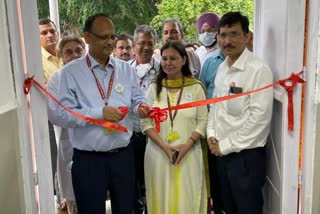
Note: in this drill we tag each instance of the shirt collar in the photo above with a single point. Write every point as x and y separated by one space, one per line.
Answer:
94 62
241 61
219 54
46 54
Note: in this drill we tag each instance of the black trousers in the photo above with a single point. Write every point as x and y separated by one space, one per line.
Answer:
139 142
215 188
93 173
241 178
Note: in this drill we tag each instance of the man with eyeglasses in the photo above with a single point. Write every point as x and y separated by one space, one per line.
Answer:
100 87
123 47
207 27
70 47
237 129
146 68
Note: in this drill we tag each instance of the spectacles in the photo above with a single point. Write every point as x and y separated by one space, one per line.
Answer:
105 37
232 35
142 44
69 52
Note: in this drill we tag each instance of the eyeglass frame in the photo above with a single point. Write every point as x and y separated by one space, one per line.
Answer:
106 37
232 35
78 50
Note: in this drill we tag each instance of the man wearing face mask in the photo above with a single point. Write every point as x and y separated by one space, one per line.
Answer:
207 27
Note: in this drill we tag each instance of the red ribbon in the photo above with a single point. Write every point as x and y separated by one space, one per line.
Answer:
28 84
158 114
295 79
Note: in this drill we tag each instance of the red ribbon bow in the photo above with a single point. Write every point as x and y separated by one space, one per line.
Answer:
159 115
295 79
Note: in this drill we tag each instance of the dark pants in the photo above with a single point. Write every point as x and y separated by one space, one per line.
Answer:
138 140
241 177
54 155
215 188
93 173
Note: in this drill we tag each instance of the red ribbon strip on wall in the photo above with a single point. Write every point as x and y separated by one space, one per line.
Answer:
295 79
28 84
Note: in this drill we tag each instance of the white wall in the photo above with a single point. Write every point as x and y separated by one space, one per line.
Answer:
17 184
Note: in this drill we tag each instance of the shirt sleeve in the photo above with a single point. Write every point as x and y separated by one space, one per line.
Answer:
202 113
147 123
137 96
53 88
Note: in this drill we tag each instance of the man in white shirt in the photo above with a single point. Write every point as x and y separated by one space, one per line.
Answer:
238 129
207 27
147 68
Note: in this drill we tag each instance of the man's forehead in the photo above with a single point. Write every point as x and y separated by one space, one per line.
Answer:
45 27
102 23
231 26
124 42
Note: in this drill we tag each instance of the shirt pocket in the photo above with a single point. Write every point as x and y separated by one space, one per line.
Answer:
236 106
122 94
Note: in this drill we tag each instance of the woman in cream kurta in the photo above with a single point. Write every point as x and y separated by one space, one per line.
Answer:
176 188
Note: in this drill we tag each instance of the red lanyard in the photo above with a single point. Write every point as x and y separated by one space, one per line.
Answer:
178 102
103 96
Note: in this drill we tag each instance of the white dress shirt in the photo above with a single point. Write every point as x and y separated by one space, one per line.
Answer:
244 122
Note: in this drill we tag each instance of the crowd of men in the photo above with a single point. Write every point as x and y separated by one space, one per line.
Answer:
92 163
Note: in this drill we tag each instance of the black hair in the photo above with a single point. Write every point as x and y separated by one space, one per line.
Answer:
89 22
232 18
123 37
47 21
180 48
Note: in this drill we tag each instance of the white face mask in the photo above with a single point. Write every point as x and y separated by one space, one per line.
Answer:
207 38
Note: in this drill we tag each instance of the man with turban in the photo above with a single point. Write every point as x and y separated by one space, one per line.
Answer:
207 27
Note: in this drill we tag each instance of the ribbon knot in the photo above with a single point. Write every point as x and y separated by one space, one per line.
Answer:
159 115
27 85
295 79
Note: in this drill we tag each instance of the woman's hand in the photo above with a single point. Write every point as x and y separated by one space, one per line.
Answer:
183 149
169 151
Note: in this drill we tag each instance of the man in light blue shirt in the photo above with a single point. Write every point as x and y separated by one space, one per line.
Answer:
95 86
207 77
209 71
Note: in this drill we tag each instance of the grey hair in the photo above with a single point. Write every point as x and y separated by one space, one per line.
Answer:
176 21
146 29
71 38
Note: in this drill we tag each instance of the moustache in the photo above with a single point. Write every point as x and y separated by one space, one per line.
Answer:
146 51
125 54
228 46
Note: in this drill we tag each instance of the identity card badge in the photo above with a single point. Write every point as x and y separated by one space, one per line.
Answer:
173 136
119 88
189 96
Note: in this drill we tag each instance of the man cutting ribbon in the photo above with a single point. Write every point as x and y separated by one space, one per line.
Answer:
96 86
